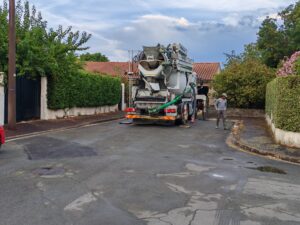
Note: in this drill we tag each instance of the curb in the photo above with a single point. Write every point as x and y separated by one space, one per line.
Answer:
38 133
234 140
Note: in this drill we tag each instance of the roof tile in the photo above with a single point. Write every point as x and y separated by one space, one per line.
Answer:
205 71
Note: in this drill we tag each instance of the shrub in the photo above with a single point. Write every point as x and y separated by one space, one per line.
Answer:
81 89
244 82
283 103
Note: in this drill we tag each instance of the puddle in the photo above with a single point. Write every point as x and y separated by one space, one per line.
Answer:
228 159
269 169
185 126
126 122
184 146
217 175
49 172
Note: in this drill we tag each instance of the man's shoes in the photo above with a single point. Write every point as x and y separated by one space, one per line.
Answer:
217 127
225 128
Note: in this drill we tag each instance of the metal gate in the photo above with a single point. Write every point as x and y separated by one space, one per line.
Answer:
28 95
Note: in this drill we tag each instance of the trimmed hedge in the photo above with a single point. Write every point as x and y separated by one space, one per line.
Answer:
83 89
283 103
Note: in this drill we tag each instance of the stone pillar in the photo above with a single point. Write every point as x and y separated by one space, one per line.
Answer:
44 107
123 104
2 98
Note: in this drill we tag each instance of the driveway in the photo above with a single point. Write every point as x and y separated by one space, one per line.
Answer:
113 174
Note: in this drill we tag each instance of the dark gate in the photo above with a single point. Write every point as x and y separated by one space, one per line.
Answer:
28 95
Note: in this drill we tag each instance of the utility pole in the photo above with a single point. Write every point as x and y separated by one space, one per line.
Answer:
12 67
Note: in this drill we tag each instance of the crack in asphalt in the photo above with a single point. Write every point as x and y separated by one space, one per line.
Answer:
168 222
53 203
193 218
284 212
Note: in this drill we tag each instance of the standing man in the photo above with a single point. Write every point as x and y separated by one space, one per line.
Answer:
221 107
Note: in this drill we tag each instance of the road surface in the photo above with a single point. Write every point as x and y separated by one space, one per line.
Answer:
113 174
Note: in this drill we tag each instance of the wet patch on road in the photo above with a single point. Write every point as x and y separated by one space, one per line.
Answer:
193 170
52 148
52 171
184 146
268 169
228 159
49 171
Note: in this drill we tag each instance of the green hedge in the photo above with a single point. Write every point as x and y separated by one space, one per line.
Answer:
83 89
283 102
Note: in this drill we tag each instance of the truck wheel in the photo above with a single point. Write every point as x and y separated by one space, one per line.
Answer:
184 114
193 112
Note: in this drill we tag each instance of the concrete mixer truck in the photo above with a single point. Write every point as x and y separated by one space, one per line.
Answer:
165 90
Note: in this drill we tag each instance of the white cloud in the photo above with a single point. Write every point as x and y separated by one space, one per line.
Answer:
208 28
232 20
271 15
129 29
157 18
221 5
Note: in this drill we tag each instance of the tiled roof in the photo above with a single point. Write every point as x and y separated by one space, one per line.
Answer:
111 68
206 71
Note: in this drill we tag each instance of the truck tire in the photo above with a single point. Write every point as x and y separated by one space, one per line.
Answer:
184 114
193 103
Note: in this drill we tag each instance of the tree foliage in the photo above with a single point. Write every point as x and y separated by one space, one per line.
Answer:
94 57
278 38
244 80
41 51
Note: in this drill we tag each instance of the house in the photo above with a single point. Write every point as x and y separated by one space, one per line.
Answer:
205 71
111 68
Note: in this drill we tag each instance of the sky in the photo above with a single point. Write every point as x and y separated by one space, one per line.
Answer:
207 28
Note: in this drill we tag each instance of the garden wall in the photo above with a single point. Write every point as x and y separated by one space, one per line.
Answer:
84 94
283 109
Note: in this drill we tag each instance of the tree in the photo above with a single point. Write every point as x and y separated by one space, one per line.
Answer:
3 37
95 57
244 80
279 38
272 42
291 26
40 51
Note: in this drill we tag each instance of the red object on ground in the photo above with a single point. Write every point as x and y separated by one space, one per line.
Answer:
2 135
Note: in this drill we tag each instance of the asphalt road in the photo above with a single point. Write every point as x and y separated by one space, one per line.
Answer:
113 174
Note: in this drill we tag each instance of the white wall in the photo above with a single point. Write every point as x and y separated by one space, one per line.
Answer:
288 138
48 114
